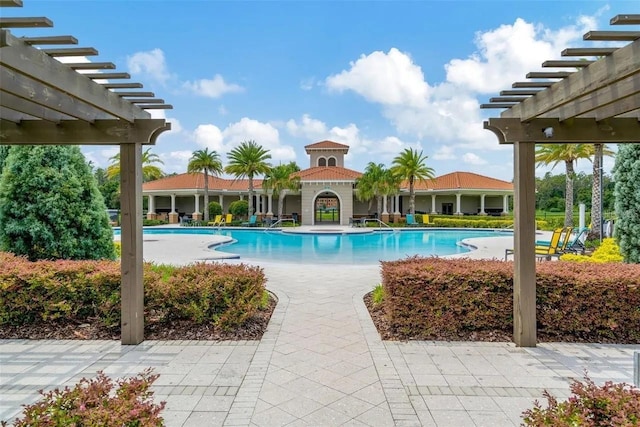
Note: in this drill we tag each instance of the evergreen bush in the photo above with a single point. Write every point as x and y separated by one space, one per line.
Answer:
239 208
627 201
50 206
214 209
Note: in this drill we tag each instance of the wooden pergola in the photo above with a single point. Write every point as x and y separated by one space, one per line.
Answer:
597 100
45 101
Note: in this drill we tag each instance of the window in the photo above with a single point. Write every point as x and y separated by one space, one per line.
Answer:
322 161
332 161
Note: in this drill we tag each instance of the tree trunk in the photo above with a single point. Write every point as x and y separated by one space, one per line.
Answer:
568 197
596 193
250 195
412 197
281 197
206 196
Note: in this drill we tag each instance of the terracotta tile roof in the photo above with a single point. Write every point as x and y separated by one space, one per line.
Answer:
327 173
326 145
188 181
465 180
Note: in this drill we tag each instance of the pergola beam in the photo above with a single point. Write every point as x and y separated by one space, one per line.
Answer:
621 64
23 59
632 19
577 130
49 40
100 132
71 51
605 36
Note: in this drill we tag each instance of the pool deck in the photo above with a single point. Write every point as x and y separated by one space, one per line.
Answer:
321 361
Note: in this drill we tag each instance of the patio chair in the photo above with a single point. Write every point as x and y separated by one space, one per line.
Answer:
426 220
217 221
253 221
227 220
411 221
544 251
576 246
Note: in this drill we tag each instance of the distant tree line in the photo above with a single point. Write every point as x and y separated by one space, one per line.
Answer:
550 192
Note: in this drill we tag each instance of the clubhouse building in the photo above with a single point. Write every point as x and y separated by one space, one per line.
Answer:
327 194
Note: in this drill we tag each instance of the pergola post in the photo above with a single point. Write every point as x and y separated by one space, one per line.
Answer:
132 289
524 274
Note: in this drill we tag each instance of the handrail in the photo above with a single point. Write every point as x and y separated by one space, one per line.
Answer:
379 222
279 221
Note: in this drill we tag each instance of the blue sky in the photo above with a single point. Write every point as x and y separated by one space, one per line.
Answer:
378 76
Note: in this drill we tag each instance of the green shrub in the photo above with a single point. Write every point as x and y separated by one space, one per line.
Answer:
77 291
589 405
608 251
214 209
239 208
50 205
152 222
432 298
96 402
378 294
118 248
627 201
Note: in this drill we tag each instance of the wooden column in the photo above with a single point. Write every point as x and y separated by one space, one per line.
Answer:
524 273
132 289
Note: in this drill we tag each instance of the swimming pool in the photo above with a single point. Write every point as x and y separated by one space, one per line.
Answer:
336 248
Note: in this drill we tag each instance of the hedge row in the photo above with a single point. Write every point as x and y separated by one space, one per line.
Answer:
34 292
432 298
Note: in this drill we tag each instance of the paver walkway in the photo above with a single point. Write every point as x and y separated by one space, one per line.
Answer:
321 363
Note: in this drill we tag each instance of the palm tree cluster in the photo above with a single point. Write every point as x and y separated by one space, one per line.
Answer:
569 154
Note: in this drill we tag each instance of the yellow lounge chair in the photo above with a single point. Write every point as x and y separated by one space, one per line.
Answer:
426 220
227 219
545 251
217 221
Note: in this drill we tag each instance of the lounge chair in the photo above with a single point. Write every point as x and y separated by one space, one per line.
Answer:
252 221
411 221
217 221
576 246
545 251
426 220
227 220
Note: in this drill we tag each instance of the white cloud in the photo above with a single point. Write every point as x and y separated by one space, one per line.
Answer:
151 63
175 161
212 88
386 78
445 152
507 53
473 159
224 140
308 83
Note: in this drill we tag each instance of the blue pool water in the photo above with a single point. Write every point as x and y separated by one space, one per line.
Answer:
337 248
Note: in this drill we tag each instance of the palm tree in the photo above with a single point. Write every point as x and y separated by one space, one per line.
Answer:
248 160
150 171
207 162
599 151
569 154
410 165
279 180
371 185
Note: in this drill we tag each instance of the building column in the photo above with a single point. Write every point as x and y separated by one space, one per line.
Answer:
220 200
173 215
385 213
151 212
197 215
482 212
505 204
433 204
396 209
458 199
270 204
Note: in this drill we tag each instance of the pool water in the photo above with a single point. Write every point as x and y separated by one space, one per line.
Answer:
337 248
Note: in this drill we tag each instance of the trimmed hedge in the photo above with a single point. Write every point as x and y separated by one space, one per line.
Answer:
432 298
42 291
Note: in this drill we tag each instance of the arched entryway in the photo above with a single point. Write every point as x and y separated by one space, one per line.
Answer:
326 209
